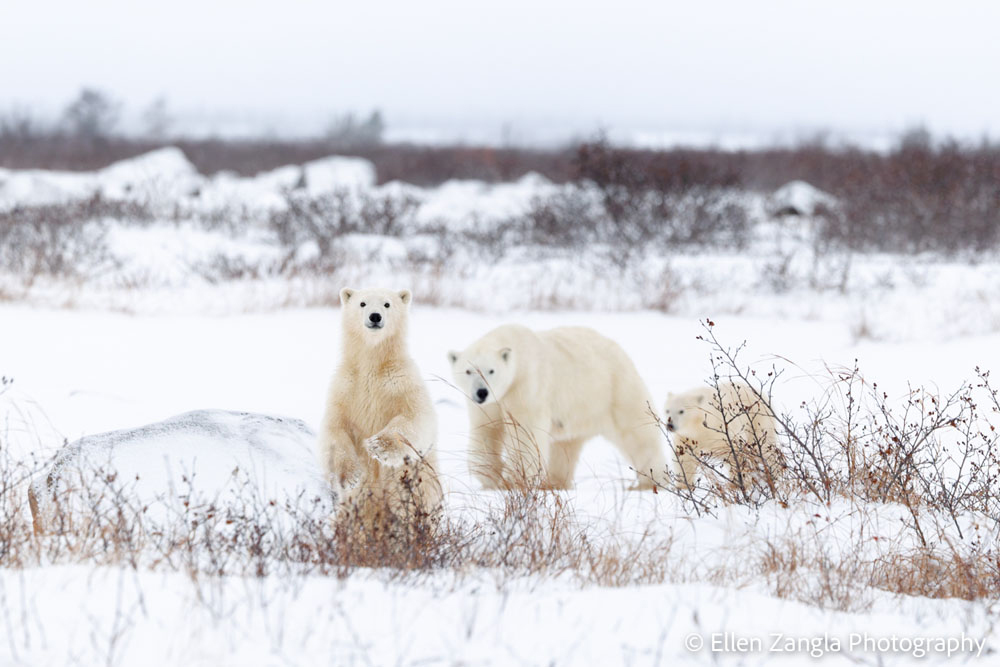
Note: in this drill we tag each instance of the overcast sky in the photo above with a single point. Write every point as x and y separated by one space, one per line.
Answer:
465 69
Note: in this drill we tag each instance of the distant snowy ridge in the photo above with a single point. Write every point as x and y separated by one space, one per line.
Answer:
165 177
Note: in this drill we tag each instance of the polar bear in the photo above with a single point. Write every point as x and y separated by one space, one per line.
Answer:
377 437
719 422
535 398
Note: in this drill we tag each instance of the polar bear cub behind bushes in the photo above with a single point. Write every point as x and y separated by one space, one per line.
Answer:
535 398
378 434
719 422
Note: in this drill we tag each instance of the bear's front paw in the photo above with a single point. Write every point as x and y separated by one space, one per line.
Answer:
387 448
350 478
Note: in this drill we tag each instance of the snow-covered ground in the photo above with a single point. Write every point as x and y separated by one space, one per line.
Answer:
139 618
129 353
87 372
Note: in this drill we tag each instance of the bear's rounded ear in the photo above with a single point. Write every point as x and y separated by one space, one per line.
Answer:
345 295
505 354
701 398
405 296
452 357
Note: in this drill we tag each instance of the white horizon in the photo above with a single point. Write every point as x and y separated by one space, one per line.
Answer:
724 73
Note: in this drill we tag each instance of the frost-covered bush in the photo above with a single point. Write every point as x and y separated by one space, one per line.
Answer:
324 218
61 240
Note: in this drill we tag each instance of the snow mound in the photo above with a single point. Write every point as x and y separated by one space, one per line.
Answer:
32 187
203 456
462 201
263 192
163 174
332 173
278 180
799 198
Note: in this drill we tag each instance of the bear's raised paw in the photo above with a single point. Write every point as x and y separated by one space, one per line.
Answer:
388 449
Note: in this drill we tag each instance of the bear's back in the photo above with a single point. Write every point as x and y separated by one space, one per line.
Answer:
592 370
575 342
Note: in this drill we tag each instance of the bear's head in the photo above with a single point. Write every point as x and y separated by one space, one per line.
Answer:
686 413
483 374
374 315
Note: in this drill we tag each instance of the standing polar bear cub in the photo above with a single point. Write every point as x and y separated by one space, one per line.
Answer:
377 437
535 398
720 422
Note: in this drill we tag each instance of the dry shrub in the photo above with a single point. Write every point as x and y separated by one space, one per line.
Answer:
221 268
920 198
932 451
574 218
382 538
531 533
930 459
620 171
536 532
796 569
62 240
930 574
323 219
628 198
843 576
664 290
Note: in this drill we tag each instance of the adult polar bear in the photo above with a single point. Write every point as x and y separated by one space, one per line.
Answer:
535 398
377 437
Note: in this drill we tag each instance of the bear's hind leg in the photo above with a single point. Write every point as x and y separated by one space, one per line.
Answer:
641 445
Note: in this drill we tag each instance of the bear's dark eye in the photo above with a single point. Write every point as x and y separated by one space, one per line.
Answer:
386 305
680 412
362 304
468 372
491 371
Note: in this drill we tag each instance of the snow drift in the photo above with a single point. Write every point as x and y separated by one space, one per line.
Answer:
211 455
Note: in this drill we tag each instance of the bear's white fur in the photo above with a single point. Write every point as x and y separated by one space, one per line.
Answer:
378 434
535 398
704 427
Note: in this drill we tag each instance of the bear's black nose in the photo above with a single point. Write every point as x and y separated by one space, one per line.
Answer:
481 394
375 318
